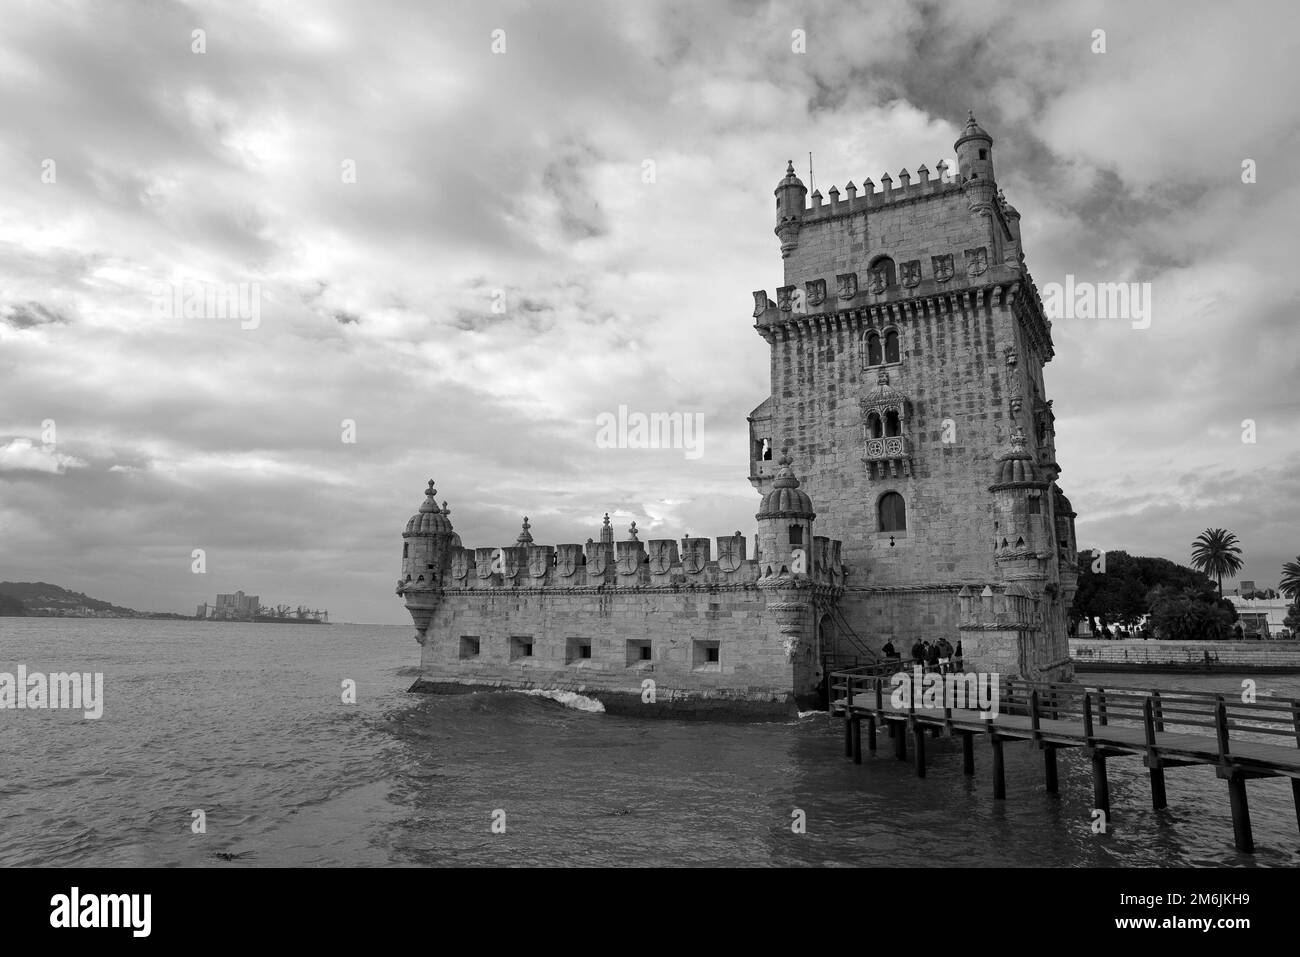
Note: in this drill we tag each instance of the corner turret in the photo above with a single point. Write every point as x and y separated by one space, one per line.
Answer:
426 545
785 518
974 153
791 195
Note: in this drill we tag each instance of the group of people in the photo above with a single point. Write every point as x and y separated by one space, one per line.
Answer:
938 656
1120 633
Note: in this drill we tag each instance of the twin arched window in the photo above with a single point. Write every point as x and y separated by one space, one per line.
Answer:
890 425
892 512
882 350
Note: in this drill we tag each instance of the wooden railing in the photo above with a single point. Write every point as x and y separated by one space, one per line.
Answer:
1168 729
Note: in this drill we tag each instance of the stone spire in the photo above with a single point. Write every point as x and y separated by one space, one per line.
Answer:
632 533
607 532
525 537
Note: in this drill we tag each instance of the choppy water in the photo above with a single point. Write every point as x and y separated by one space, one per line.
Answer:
246 723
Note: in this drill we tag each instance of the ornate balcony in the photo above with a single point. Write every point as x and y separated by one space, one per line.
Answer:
888 456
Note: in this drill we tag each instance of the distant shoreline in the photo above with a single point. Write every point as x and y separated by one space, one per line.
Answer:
262 620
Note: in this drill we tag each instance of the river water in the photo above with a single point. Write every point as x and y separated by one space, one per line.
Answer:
246 723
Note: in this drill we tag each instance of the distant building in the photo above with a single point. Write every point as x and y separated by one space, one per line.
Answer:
237 606
1262 617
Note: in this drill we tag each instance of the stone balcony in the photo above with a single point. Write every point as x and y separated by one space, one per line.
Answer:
888 456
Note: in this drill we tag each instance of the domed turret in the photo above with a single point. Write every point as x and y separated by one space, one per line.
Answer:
427 541
1021 537
1066 542
426 548
974 153
1063 506
785 517
791 195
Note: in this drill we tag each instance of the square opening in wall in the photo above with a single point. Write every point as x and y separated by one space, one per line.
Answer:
469 646
706 655
521 647
577 651
638 653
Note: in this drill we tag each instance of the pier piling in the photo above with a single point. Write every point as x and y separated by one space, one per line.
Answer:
999 770
918 731
1100 788
1241 835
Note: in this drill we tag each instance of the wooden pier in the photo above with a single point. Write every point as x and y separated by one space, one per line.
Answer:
1166 729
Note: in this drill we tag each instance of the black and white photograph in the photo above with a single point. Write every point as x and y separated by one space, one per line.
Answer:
505 436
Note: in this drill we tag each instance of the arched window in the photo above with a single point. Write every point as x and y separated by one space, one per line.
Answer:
873 349
874 428
893 513
891 345
892 425
885 265
406 549
796 534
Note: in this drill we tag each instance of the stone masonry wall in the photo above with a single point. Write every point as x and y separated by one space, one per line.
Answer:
751 674
1243 654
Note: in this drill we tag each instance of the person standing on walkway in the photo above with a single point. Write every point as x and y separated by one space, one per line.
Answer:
945 655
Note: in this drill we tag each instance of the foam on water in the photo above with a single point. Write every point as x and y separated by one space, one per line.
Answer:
570 699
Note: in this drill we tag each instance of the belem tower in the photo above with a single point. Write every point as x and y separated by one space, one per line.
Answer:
905 463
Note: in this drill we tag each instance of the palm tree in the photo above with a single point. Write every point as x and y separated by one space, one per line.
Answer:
1215 552
1290 585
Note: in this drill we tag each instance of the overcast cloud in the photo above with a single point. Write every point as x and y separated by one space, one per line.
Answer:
522 172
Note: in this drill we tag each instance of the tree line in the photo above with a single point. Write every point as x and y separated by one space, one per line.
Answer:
1174 601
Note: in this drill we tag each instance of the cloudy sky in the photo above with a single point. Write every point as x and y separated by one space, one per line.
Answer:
130 164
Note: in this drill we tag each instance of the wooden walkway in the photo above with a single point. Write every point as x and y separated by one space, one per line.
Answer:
1167 729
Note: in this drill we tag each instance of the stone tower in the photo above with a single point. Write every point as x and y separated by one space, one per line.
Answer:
908 343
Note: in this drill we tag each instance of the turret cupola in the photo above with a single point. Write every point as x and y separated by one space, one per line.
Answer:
430 519
786 499
1016 468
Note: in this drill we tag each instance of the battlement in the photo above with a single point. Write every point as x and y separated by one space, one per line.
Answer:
854 291
657 563
866 198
